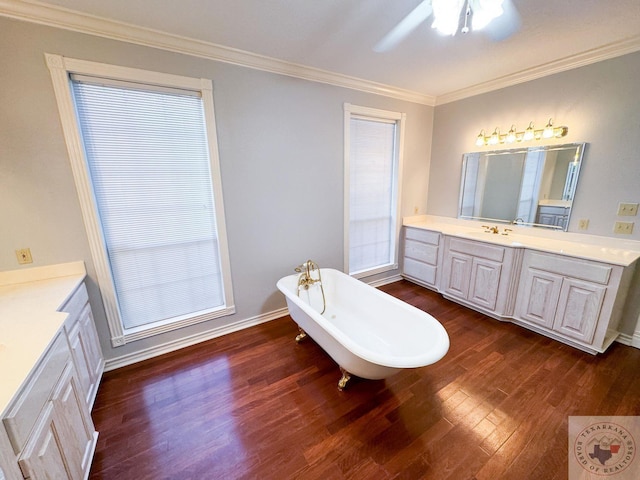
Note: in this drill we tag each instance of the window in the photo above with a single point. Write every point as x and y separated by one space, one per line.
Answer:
373 161
144 154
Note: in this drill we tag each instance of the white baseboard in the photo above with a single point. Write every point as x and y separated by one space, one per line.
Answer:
630 340
385 281
151 352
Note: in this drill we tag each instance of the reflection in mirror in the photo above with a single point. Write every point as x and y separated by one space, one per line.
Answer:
528 186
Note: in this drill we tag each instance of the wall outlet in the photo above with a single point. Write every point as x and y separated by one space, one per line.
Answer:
583 224
24 256
623 227
627 209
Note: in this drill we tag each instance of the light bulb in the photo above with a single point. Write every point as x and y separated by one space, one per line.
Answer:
480 141
511 136
446 15
548 130
528 133
495 137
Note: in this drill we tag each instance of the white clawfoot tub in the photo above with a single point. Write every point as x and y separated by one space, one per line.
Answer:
367 332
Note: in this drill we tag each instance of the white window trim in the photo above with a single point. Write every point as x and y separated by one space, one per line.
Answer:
399 118
60 68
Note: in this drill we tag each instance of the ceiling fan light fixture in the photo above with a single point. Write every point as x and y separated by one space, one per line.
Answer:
446 15
484 11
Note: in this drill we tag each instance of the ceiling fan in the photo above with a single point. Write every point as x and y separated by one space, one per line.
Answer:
500 18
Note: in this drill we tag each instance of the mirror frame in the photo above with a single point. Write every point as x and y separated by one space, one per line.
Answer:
580 148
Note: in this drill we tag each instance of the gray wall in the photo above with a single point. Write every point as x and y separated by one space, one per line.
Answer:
600 104
281 153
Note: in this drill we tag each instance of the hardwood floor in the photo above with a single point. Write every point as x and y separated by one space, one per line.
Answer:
254 404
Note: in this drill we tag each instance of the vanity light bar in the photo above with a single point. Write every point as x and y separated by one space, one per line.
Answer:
549 131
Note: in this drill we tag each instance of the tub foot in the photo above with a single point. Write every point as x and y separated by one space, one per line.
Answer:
301 336
346 376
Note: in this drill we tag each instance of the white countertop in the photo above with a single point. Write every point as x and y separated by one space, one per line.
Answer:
589 247
30 320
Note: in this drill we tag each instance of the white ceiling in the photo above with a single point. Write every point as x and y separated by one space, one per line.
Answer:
339 35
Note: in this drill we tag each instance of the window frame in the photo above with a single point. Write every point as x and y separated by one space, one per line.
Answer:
60 69
387 116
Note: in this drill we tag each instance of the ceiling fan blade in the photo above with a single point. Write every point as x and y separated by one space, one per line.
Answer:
506 25
405 27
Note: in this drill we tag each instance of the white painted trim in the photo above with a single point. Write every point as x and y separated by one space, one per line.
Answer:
595 55
60 68
630 340
385 281
58 17
183 342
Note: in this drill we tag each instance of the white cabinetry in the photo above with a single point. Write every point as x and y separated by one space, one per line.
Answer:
46 431
572 291
479 274
48 423
571 299
421 250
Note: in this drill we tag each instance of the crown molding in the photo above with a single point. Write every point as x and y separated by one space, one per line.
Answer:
612 50
66 19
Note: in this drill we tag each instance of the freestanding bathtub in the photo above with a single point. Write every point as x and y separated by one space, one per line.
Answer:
367 332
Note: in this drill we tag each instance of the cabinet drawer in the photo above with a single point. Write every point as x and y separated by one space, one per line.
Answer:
75 304
569 267
26 408
421 252
420 271
477 249
424 236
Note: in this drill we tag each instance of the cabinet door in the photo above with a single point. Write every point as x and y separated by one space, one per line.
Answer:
538 297
44 455
77 432
484 283
62 443
578 309
457 274
92 352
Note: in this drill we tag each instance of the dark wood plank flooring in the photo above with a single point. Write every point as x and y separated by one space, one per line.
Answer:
254 404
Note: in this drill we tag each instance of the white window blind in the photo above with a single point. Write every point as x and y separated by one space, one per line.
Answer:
149 164
372 193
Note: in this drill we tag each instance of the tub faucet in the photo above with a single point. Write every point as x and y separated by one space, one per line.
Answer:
305 279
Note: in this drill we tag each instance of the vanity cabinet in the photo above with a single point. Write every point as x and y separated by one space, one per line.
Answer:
571 299
421 250
569 290
51 368
48 424
478 273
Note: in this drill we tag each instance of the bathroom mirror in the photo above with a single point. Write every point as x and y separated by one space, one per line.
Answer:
526 186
